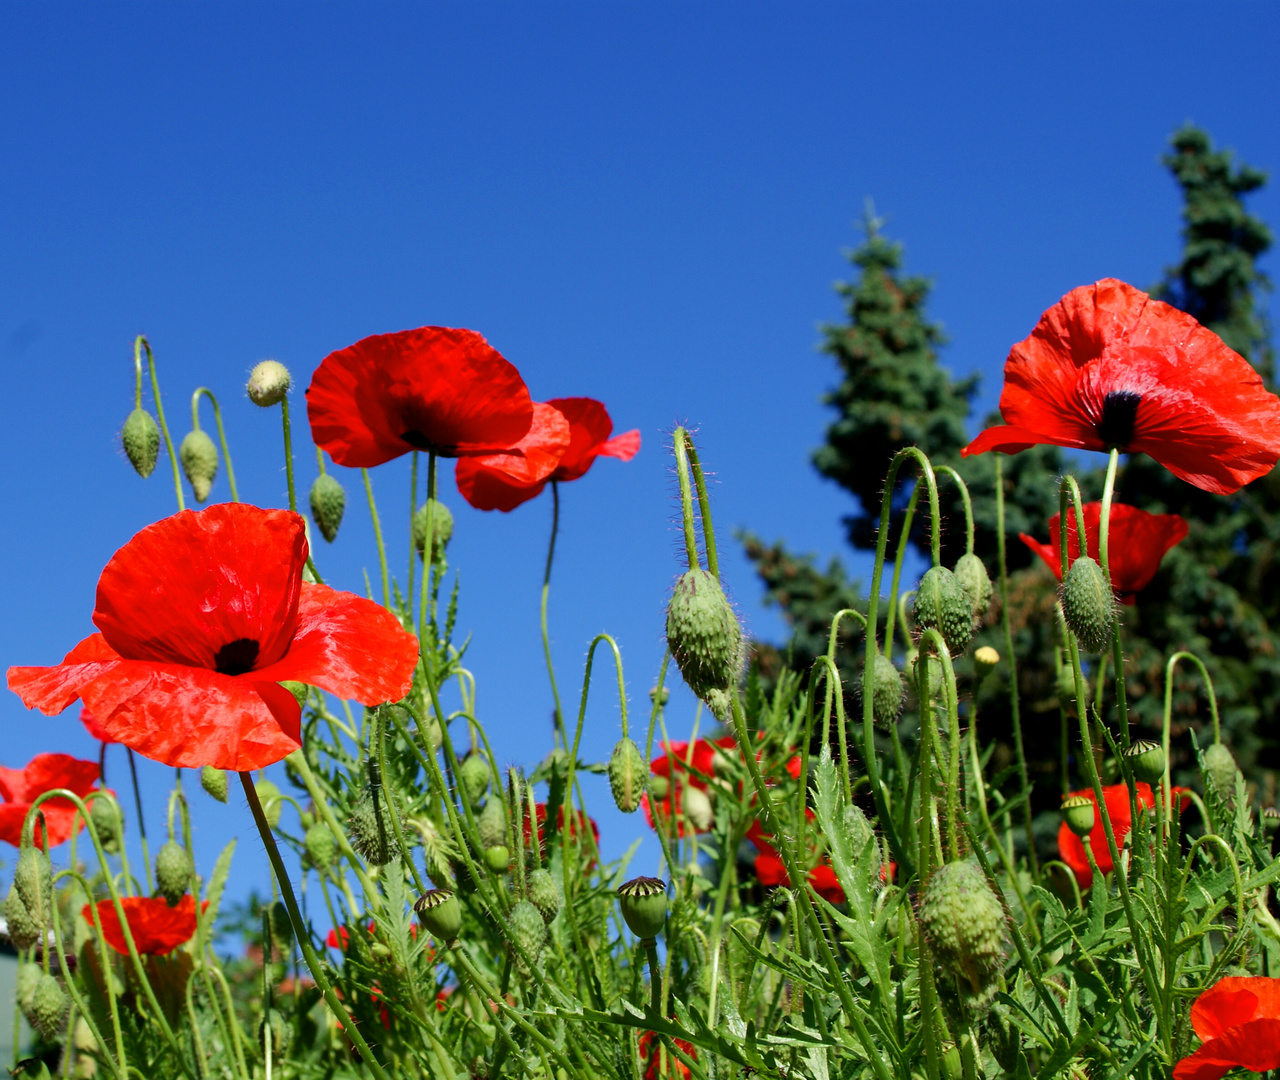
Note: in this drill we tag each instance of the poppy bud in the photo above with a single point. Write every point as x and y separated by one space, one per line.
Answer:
1146 759
25 991
441 529
492 823
659 787
971 573
370 830
173 872
543 894
140 439
497 858
1079 813
33 878
106 822
49 1008
1088 604
1270 820
720 703
886 690
942 604
214 782
654 696
281 926
644 906
23 931
199 459
526 930
272 804
984 661
320 846
440 914
473 777
697 808
933 665
627 773
703 633
1220 769
964 924
1065 687
328 501
268 383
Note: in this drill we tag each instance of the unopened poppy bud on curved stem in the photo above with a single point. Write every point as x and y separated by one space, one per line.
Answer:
139 436
204 391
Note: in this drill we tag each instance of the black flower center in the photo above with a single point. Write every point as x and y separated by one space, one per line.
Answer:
1119 411
236 657
416 439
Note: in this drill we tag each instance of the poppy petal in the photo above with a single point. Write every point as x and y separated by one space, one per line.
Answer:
52 689
1233 1000
157 929
1013 440
504 481
349 646
1254 1046
623 447
59 822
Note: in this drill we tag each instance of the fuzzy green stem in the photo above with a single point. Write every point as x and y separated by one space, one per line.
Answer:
704 509
377 536
680 447
895 583
413 509
546 589
947 470
139 344
222 435
288 472
1165 739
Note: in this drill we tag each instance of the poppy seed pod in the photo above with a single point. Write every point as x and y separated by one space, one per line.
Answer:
214 782
268 383
440 914
23 930
1088 604
33 878
971 572
473 777
320 845
491 823
942 604
49 1008
441 529
328 501
1220 770
886 690
703 633
543 894
140 439
1270 818
964 924
627 775
173 872
526 930
199 459
1146 759
1079 813
643 901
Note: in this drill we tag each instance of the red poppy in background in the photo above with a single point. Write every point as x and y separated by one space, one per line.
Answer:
201 615
1107 366
650 1046
1137 544
772 872
575 828
497 481
1070 846
92 726
157 928
1238 1020
490 488
433 388
45 772
681 765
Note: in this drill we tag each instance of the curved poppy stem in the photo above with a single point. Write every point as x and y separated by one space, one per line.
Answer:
142 825
140 343
947 470
377 536
428 565
302 932
546 589
1165 737
1069 498
895 583
222 435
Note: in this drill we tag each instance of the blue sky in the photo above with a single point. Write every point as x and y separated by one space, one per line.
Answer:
644 203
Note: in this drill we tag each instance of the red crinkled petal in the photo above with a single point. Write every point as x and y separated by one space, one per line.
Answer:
52 689
59 819
156 927
189 717
431 388
825 883
48 771
186 586
1013 440
45 772
1233 1000
589 427
1254 1046
504 481
349 646
92 726
1070 847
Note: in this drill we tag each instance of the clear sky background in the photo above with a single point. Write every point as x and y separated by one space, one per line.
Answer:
644 203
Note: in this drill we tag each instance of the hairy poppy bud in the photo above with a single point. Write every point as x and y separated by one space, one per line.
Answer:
49 1008
697 808
543 894
703 633
942 604
497 858
441 529
173 872
1065 686
33 878
1088 604
370 830
272 803
28 980
199 459
886 690
643 901
491 824
984 661
1079 813
140 439
1270 820
106 822
1146 759
268 383
328 501
932 665
964 924
214 782
526 930
1220 768
320 846
23 930
627 775
659 787
440 914
654 696
473 777
971 573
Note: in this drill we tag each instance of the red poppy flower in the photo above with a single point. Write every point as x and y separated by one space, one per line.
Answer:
1137 544
680 765
339 938
651 1054
772 872
433 388
489 488
45 772
1071 848
201 615
157 928
1107 366
500 481
1238 1020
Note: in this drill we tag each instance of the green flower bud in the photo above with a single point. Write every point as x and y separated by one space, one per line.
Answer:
1146 759
320 846
497 858
281 926
173 872
23 929
1220 770
473 777
1088 604
371 831
703 633
527 932
1079 813
104 813
887 690
984 661
440 914
491 824
942 604
328 501
659 787
543 894
654 695
627 775
199 459
214 782
33 878
1270 822
140 439
441 529
25 991
972 575
49 1008
1065 687
963 922
644 906
268 383
272 803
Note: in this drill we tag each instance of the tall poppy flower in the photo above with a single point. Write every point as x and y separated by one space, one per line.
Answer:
45 772
201 616
1071 848
434 388
489 488
1137 544
1107 367
156 927
491 481
1238 1021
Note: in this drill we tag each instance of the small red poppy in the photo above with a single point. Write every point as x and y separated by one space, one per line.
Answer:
201 616
157 928
1238 1021
488 487
499 481
772 872
1137 544
434 388
45 772
1071 848
1107 366
652 1055
682 765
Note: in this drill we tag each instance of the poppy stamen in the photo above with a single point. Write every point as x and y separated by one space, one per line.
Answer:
1119 411
236 657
